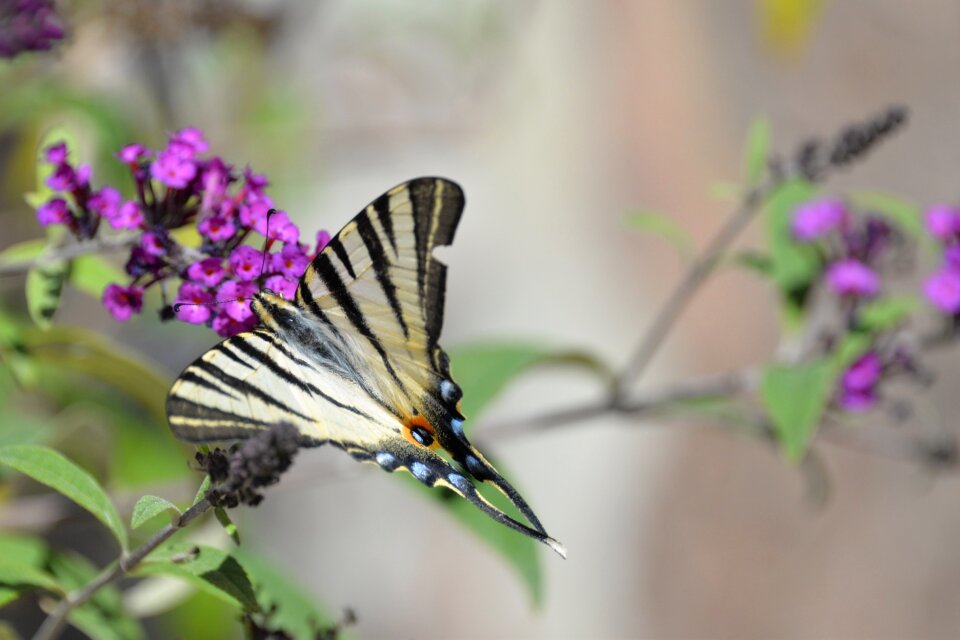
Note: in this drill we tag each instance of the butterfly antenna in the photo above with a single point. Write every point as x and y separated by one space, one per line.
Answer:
267 243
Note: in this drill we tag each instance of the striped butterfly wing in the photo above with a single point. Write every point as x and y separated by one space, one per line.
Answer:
377 285
354 359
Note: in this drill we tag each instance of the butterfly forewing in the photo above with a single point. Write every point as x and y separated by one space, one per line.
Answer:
377 280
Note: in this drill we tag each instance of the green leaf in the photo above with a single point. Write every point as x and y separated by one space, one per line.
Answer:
665 227
16 573
755 261
227 524
758 149
103 616
795 397
23 251
48 467
43 289
88 353
483 370
208 569
202 490
91 274
794 265
293 608
887 313
149 507
904 215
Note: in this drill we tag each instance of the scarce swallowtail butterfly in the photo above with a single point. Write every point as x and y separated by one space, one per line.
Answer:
353 360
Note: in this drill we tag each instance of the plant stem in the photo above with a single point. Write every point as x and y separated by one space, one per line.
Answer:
55 622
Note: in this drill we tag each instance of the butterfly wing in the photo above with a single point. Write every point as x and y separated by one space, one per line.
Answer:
378 280
354 360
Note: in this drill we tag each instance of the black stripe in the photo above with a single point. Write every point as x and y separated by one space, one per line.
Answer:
193 378
341 252
338 290
382 206
224 348
279 345
288 377
380 265
244 387
423 202
307 299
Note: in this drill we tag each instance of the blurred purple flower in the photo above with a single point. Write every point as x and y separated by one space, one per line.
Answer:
193 303
128 216
857 401
864 373
323 238
850 277
815 219
217 228
246 263
122 302
153 244
234 298
132 153
173 169
56 153
943 221
28 25
282 286
54 211
942 289
291 261
209 272
105 202
226 326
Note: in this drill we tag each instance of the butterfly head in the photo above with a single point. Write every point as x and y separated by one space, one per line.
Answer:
439 455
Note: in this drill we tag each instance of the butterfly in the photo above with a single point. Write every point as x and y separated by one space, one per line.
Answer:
353 359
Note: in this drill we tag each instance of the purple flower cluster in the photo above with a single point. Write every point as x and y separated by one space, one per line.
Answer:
28 25
853 245
177 186
942 288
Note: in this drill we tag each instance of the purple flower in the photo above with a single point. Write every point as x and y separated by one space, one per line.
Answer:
54 211
951 256
863 374
105 202
122 302
128 216
291 261
56 153
323 239
153 244
277 227
246 263
28 25
282 286
254 215
208 272
190 138
235 299
194 303
943 221
173 169
226 326
817 218
850 277
857 401
942 289
63 178
132 154
217 228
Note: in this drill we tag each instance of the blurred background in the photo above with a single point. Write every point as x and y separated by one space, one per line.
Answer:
558 119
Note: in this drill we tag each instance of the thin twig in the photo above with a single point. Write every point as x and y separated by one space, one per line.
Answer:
696 275
55 622
69 251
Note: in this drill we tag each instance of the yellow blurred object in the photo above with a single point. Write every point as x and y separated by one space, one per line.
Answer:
785 25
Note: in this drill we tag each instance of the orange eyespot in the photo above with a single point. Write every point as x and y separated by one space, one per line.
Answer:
420 432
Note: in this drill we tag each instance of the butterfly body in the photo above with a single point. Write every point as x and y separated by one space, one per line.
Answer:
353 359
